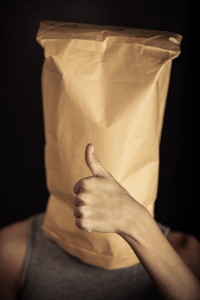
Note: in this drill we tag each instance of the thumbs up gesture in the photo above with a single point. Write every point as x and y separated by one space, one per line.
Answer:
101 203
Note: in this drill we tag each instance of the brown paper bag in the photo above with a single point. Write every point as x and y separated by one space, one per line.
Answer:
105 85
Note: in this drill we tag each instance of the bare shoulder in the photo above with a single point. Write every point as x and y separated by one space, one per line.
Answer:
13 245
188 247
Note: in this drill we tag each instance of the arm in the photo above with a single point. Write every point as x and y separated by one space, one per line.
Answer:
103 205
13 246
171 275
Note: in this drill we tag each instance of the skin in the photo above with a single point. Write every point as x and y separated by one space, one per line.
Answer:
13 245
100 202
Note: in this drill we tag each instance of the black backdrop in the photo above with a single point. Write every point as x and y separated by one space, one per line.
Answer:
23 189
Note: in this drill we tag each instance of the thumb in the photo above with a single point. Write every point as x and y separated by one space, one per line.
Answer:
93 162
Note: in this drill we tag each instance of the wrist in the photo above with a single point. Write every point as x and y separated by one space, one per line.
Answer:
135 223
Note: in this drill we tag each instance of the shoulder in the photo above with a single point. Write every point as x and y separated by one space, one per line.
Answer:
183 241
13 245
188 247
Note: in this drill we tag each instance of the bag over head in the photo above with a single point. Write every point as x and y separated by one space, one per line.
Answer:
106 85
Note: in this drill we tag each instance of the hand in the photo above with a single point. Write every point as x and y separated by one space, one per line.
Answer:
101 203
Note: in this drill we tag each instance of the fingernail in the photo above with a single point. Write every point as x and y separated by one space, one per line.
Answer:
92 148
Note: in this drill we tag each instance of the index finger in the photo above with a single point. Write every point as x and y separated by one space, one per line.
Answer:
78 187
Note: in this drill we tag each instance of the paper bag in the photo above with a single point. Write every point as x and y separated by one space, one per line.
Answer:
108 86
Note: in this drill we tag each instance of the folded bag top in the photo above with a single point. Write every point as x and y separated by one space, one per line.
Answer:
106 85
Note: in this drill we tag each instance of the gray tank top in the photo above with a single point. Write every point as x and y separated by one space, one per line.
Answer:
50 273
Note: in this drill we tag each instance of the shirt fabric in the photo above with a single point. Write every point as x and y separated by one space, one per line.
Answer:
50 273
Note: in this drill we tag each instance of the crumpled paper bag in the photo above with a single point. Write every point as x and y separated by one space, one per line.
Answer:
106 85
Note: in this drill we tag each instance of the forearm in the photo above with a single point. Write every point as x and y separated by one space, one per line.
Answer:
171 275
103 205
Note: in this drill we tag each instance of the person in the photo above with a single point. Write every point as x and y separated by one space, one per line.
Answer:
34 267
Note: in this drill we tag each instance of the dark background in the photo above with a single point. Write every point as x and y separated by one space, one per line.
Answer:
23 189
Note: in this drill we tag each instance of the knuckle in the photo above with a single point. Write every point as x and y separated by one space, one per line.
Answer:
82 223
78 223
87 182
76 187
79 200
77 213
84 183
76 201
